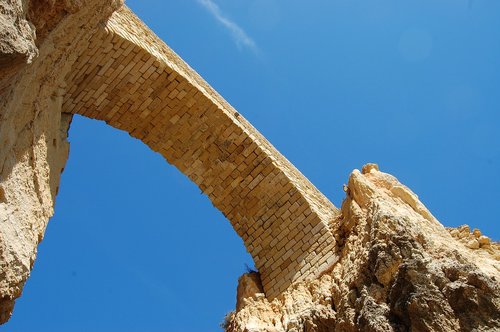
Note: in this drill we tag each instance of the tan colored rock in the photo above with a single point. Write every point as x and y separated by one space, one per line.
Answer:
484 240
249 287
383 264
472 244
93 55
17 40
368 168
464 231
454 232
476 232
399 270
33 129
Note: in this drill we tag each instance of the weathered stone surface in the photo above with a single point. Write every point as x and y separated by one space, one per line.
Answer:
133 81
106 64
17 39
249 287
383 264
33 130
399 270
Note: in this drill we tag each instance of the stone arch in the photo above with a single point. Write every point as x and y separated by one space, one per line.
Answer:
131 80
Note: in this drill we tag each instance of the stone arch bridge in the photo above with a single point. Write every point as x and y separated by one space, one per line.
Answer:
130 79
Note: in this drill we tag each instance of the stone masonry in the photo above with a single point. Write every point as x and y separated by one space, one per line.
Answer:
129 78
382 263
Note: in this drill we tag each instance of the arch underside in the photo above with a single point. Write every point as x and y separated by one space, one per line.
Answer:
129 78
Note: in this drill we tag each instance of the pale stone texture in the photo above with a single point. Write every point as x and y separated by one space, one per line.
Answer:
383 264
105 64
399 270
32 128
249 287
129 78
17 39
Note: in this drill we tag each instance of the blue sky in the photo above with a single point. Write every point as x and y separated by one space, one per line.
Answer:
411 85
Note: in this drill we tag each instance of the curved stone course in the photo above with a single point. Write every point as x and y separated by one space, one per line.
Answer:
129 78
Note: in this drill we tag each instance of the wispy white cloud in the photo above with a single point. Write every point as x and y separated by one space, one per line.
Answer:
239 35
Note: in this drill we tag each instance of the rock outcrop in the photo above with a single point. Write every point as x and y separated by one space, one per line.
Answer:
384 263
399 270
35 53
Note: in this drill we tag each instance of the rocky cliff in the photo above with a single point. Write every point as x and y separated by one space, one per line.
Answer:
398 268
39 40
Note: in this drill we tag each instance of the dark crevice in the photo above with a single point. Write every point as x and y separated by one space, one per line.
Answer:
3 198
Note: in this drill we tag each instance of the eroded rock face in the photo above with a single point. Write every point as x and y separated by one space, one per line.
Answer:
17 39
33 130
400 270
249 287
24 25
